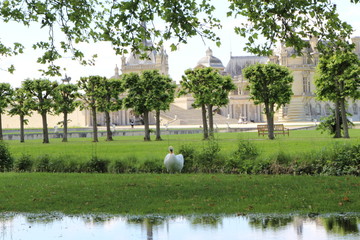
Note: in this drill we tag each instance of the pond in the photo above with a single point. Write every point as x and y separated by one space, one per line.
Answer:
153 227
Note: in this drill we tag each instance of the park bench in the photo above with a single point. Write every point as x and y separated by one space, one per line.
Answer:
278 129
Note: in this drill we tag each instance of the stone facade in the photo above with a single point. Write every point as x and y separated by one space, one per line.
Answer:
303 105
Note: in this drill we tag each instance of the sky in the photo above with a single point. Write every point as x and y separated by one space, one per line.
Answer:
184 58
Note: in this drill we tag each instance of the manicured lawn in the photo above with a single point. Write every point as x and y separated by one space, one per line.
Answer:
177 193
299 142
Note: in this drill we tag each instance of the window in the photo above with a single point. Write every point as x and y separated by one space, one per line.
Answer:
318 109
355 109
285 110
306 85
327 109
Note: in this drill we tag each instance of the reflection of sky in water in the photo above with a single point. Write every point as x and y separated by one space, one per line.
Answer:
178 228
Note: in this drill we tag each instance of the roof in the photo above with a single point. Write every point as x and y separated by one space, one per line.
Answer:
210 61
238 63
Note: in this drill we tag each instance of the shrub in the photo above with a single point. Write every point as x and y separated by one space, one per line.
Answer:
345 160
97 165
151 166
119 166
6 160
242 159
189 153
43 164
24 163
283 158
209 159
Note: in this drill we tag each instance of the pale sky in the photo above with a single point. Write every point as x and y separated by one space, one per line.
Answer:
185 57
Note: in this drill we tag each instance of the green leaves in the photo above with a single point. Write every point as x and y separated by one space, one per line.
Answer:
290 21
269 84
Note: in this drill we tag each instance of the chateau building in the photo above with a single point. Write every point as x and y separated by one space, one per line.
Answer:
303 105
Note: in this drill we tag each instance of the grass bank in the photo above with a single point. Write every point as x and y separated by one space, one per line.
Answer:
298 142
304 152
177 193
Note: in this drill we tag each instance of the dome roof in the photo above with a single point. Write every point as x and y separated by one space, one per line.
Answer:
210 61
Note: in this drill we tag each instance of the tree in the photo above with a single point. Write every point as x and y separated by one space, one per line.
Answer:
209 88
269 84
66 101
144 94
5 97
109 100
338 78
21 105
90 85
163 95
120 22
40 91
290 21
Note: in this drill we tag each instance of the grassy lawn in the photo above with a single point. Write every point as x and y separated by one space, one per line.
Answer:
177 193
299 142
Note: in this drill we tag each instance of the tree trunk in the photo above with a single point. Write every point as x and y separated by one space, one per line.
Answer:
22 135
337 120
108 130
1 130
270 120
146 126
211 120
65 127
205 126
95 131
344 118
158 137
45 128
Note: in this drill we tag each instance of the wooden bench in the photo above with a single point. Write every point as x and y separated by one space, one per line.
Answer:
278 129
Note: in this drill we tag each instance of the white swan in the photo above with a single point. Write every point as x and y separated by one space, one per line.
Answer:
173 163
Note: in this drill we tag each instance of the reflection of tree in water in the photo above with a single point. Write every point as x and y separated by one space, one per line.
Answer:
6 221
149 222
341 225
97 219
269 222
212 221
43 218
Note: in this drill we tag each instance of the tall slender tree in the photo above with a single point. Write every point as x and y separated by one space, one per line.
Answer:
337 79
20 104
40 91
145 93
6 93
66 98
269 84
163 95
90 85
209 88
109 100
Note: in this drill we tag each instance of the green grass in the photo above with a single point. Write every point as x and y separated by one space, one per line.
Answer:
177 193
299 142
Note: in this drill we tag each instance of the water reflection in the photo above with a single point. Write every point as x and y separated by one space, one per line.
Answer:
56 225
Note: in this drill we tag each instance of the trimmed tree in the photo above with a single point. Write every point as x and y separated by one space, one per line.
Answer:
66 101
269 84
41 90
108 100
90 85
338 78
21 105
209 88
143 92
163 96
5 97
